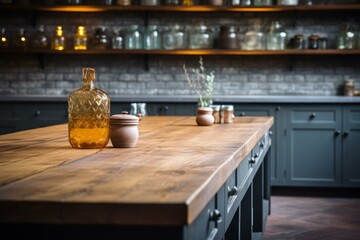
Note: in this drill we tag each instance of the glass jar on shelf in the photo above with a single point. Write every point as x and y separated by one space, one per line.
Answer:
123 2
229 38
101 39
4 39
188 2
20 40
80 39
346 37
58 42
254 39
150 2
40 39
200 38
152 39
276 37
313 41
174 38
134 38
172 2
117 40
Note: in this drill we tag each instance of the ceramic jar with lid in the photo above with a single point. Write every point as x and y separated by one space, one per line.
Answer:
313 41
124 132
229 38
227 114
349 87
204 116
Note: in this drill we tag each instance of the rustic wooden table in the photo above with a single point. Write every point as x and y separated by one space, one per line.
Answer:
170 176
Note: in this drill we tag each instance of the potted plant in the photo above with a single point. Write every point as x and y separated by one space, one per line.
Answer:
203 84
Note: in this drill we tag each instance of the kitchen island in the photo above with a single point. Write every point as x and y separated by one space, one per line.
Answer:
181 181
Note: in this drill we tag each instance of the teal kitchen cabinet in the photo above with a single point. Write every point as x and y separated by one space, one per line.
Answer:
277 156
351 148
313 146
175 109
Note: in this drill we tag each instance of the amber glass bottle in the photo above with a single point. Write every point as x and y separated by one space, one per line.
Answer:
89 114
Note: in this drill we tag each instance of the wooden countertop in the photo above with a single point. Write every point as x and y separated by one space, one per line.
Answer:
167 179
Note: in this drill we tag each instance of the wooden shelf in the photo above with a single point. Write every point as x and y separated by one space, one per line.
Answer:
191 52
274 8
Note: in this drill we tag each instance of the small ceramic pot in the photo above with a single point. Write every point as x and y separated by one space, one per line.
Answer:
124 132
204 116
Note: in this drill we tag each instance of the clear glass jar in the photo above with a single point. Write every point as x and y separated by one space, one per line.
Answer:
117 41
254 39
277 37
152 39
80 39
134 38
174 38
101 39
123 2
40 39
4 39
89 114
172 2
346 37
150 2
200 38
20 39
58 42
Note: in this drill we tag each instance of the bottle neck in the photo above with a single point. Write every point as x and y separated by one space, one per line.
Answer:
88 78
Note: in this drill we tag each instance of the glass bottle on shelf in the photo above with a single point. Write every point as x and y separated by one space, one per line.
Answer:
40 39
88 114
101 40
20 39
4 39
188 2
152 38
59 39
276 38
200 38
133 38
150 2
117 40
80 39
346 37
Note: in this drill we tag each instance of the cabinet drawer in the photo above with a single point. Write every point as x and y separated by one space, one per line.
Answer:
231 198
206 225
243 172
313 116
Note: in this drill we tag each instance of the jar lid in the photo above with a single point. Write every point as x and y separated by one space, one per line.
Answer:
314 37
124 119
215 107
227 107
299 36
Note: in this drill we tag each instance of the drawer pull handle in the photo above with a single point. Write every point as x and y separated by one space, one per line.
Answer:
262 144
313 115
233 191
215 216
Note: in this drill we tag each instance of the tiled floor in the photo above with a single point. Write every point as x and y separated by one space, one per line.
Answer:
313 218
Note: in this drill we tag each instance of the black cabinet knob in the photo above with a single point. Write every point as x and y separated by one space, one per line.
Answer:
166 108
215 216
233 191
346 133
37 113
256 155
337 132
241 114
262 144
313 115
278 108
252 160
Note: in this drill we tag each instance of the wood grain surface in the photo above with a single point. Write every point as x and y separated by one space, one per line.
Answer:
167 179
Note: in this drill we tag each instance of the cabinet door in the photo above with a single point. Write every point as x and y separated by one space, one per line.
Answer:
351 150
277 156
313 146
8 119
47 114
176 109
